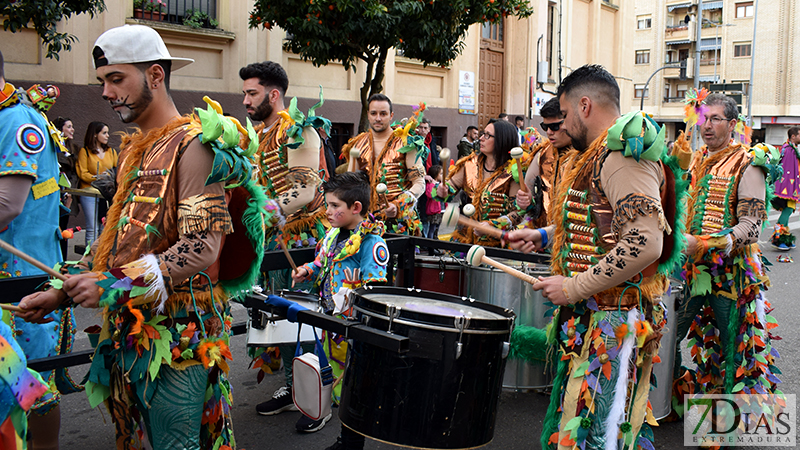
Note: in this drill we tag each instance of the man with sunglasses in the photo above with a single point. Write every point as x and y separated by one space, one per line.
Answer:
291 179
544 165
724 270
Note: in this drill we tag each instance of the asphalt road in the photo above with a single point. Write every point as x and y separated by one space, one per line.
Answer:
520 414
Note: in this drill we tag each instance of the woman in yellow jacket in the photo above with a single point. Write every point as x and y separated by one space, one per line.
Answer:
94 158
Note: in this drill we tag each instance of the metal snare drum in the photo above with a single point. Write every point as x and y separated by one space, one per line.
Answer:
661 396
443 393
437 274
264 331
499 288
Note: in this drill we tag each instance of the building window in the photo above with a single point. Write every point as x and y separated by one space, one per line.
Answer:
742 50
644 22
744 10
640 92
671 56
681 92
642 56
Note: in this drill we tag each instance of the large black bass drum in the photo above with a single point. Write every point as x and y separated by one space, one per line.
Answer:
443 393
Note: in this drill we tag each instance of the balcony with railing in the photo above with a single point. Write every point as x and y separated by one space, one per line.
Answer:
190 13
673 32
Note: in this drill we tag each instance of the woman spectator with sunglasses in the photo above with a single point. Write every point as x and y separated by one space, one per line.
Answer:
487 179
547 158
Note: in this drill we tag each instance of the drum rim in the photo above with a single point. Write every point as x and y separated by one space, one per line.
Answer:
502 324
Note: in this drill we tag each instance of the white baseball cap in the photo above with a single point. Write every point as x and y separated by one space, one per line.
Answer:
131 44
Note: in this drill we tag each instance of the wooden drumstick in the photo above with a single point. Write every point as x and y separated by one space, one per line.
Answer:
288 256
381 189
445 157
477 255
452 218
517 153
31 260
354 154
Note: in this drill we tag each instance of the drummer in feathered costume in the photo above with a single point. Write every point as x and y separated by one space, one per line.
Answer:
491 180
185 232
787 190
612 243
393 157
290 161
724 308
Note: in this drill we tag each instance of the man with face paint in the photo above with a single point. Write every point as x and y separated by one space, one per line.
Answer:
157 270
607 237
386 160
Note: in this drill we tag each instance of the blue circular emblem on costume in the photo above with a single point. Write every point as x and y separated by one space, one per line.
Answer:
30 138
380 253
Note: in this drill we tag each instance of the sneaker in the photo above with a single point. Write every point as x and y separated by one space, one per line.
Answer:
308 425
281 401
338 445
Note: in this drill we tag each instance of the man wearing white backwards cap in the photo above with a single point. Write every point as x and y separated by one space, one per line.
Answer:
160 351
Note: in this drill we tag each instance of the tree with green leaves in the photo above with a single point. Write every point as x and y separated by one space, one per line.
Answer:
432 31
43 16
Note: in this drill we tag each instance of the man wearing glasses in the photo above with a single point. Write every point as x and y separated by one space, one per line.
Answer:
724 271
546 160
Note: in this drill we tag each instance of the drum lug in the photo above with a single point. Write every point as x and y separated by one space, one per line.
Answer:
506 349
460 322
393 312
441 270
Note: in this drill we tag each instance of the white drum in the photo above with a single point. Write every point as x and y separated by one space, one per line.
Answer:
264 331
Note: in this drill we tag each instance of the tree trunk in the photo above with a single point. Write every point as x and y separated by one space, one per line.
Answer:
373 84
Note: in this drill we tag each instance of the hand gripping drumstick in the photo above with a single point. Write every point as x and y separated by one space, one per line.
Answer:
30 260
381 189
477 255
445 157
517 153
452 218
354 154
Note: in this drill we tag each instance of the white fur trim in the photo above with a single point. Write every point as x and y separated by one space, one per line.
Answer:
156 291
761 309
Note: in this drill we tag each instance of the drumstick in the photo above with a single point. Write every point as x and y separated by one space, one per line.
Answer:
288 256
477 255
31 260
9 307
354 154
517 153
381 189
452 218
445 157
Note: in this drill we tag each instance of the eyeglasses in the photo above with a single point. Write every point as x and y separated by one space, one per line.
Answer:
717 120
486 135
555 126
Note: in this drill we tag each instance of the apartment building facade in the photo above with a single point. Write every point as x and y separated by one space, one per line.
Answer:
663 37
497 71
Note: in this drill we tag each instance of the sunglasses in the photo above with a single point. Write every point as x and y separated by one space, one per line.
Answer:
552 126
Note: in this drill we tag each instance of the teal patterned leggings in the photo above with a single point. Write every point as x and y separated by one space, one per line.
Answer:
176 410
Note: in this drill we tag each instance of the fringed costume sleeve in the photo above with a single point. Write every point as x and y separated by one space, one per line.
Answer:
203 217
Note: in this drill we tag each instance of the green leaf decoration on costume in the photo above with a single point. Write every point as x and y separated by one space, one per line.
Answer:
253 137
302 121
211 123
701 284
581 370
160 345
638 135
57 283
230 134
572 426
97 393
739 386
